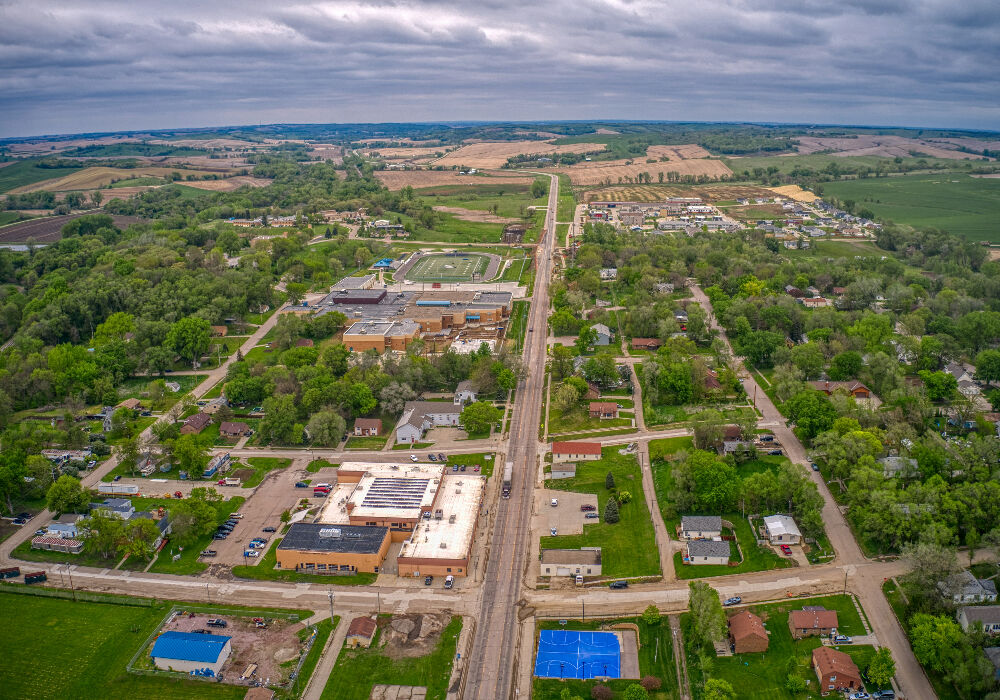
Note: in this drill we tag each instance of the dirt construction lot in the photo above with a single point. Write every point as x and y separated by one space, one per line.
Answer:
493 155
398 179
475 215
616 171
269 647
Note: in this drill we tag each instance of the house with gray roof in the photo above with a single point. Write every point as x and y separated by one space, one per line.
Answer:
420 416
700 527
894 465
986 615
604 334
707 552
965 588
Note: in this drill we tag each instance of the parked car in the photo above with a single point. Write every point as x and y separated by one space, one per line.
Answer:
475 468
413 458
118 477
441 456
884 695
301 485
554 502
219 536
842 639
586 506
553 531
39 533
735 600
454 467
270 529
774 452
251 553
20 521
237 516
449 581
786 549
618 584
209 553
428 580
815 467
432 457
217 622
860 695
462 468
591 515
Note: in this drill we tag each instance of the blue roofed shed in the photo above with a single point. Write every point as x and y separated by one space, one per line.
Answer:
384 263
188 651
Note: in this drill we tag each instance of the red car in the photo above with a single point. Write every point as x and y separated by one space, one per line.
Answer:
786 549
587 507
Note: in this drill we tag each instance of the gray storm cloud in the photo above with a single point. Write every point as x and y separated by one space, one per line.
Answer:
101 66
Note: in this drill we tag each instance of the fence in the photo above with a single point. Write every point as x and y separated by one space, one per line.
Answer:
22 589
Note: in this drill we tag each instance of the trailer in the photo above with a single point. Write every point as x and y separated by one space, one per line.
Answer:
115 489
508 474
36 577
11 572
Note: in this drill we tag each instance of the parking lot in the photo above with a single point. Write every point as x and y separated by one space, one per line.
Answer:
566 517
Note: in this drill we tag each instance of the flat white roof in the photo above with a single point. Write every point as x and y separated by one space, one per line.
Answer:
459 498
385 491
781 525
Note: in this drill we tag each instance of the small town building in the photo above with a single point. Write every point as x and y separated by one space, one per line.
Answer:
464 393
603 334
986 615
853 387
57 544
603 409
812 621
894 465
609 273
381 335
964 588
747 633
646 343
368 427
835 671
781 529
701 527
188 651
196 423
361 633
420 416
708 552
563 470
323 548
214 405
232 430
571 562
131 404
575 451
64 526
120 507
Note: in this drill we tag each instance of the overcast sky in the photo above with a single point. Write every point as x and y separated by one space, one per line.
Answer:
70 66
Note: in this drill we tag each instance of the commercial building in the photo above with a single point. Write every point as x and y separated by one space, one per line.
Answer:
380 335
812 622
324 548
747 633
571 562
575 451
188 651
781 529
835 670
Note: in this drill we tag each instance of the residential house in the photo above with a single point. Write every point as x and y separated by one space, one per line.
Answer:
781 529
894 465
465 393
120 507
571 562
853 387
812 621
67 545
367 427
681 316
986 615
604 334
835 671
593 392
712 382
964 588
214 405
701 552
162 524
794 291
219 331
665 288
172 387
420 416
575 451
231 430
563 470
701 527
609 273
815 302
64 526
360 633
747 633
650 344
993 654
603 409
131 404
196 423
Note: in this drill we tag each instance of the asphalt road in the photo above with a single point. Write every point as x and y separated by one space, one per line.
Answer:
491 664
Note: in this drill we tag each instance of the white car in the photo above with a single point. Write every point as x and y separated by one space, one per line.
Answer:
251 553
413 458
554 502
322 486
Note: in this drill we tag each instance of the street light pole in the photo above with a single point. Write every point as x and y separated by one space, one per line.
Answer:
330 595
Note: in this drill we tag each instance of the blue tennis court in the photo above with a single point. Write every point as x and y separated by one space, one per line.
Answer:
577 654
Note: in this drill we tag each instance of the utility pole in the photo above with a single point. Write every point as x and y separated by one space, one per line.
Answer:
330 595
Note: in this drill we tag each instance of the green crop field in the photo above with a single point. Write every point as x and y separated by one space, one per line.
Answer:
960 204
27 172
461 267
56 648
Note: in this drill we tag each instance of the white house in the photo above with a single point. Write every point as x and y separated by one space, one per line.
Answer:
701 527
965 588
609 273
604 334
570 562
420 416
64 526
575 451
464 393
563 470
987 615
708 552
894 465
781 529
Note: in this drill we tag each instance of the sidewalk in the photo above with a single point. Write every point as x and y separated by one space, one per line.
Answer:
321 674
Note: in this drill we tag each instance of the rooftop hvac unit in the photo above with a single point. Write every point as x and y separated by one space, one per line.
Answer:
451 518
444 545
332 532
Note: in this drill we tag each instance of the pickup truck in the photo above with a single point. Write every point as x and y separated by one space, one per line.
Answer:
209 553
217 622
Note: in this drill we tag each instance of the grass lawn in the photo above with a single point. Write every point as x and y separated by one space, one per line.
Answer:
317 464
25 552
628 547
265 571
656 658
579 418
469 460
517 270
136 388
61 649
216 391
370 442
358 670
763 676
261 466
658 449
188 563
449 229
414 446
518 324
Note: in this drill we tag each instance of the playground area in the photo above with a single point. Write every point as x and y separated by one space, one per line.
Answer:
452 267
578 654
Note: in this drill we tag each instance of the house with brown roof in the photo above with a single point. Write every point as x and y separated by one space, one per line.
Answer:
196 423
593 391
712 382
747 633
131 404
812 622
853 387
219 331
368 426
304 343
835 671
575 451
232 430
646 343
360 633
603 409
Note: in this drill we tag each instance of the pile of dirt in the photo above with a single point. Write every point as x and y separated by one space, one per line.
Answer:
413 635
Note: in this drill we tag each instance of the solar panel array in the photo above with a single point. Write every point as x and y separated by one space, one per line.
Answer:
395 492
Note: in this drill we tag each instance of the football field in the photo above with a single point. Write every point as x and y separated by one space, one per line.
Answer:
448 267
